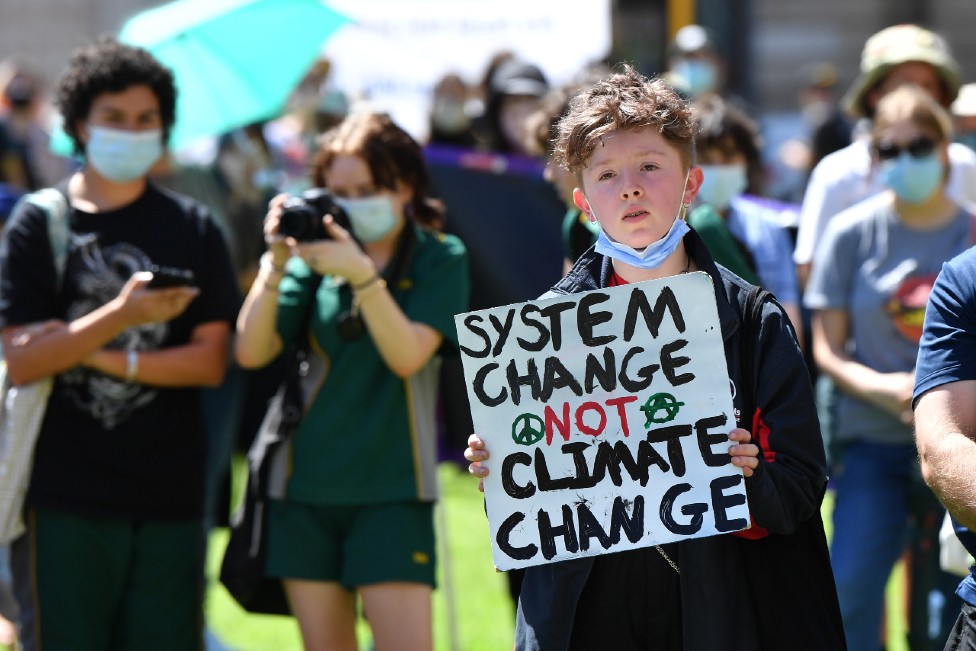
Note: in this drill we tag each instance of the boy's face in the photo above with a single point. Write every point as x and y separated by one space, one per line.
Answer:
134 109
634 185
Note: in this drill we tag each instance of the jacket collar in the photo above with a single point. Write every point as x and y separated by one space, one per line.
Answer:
594 270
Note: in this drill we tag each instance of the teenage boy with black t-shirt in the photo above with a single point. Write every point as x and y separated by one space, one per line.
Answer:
113 554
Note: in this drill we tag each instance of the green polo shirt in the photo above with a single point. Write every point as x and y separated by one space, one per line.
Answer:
368 436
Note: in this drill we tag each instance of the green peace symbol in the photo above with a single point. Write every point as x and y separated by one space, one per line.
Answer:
528 429
657 403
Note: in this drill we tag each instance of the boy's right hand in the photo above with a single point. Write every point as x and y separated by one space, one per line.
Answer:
476 453
142 305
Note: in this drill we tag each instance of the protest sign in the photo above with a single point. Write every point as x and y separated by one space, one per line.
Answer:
607 415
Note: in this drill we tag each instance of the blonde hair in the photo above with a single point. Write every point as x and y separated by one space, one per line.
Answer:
916 105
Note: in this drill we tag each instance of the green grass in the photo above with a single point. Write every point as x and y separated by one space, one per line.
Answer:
472 610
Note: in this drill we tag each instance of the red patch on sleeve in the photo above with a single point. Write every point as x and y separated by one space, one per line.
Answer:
760 436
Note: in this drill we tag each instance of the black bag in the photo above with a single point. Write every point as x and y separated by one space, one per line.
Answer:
242 569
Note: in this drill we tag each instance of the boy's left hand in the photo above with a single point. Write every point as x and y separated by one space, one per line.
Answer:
745 455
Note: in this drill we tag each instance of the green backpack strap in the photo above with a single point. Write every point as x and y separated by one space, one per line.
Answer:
715 233
55 207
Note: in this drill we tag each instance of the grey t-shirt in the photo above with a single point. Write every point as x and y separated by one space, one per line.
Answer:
880 271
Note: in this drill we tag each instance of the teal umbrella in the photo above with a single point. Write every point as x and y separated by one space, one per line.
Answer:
235 61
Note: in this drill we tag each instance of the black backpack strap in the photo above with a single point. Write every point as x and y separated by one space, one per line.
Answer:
748 334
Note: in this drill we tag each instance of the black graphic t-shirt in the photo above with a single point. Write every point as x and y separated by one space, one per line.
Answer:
108 446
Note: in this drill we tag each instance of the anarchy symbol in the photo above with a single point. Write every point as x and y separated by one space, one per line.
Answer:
660 402
528 429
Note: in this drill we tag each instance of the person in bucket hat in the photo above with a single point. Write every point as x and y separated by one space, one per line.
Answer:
892 57
894 46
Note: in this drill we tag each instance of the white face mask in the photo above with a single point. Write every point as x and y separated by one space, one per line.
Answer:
721 184
123 156
695 77
371 218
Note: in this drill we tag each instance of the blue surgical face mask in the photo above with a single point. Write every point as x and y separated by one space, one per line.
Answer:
722 183
651 256
123 156
371 218
695 76
913 180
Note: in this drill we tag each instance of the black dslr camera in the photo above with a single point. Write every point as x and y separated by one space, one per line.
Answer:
301 216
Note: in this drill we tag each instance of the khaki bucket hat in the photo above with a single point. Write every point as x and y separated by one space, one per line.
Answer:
893 46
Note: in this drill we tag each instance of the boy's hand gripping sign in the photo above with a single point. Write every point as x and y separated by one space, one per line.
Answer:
607 416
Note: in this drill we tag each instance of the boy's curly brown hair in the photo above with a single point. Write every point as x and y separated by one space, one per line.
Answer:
624 100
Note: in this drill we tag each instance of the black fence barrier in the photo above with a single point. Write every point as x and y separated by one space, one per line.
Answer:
507 215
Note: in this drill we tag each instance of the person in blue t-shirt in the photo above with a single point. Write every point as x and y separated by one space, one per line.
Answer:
945 417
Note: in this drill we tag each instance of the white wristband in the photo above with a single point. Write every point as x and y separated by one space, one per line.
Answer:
267 263
131 365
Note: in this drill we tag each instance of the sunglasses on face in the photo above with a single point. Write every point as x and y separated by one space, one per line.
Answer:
917 148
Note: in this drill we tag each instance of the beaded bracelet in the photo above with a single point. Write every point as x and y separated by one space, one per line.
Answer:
359 290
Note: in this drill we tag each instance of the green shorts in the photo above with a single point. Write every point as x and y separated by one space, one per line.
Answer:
100 583
352 545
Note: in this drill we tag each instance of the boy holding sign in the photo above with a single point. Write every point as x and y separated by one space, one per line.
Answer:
629 141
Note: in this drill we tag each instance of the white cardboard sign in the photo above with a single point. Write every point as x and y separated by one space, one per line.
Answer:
607 415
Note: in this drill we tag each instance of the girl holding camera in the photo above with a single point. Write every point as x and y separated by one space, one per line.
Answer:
356 519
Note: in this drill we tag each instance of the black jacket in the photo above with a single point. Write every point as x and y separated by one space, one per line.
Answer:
771 587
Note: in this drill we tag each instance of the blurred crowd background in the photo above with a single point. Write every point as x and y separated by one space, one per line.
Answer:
471 80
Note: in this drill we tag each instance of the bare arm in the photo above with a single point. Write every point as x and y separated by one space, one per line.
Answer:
257 341
945 433
405 345
891 392
201 362
67 345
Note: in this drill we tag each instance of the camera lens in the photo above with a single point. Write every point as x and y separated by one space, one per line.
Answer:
298 220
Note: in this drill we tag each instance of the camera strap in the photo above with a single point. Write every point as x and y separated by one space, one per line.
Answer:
350 324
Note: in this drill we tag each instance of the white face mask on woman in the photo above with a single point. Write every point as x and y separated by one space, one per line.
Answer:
123 156
371 218
722 183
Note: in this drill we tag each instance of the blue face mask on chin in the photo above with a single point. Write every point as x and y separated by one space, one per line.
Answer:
651 256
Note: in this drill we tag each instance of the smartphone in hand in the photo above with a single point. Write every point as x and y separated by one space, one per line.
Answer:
164 277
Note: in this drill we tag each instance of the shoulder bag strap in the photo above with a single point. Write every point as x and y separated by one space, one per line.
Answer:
55 207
